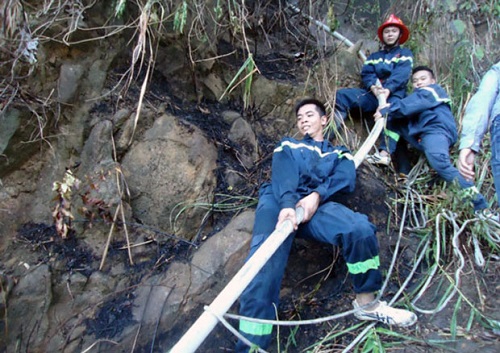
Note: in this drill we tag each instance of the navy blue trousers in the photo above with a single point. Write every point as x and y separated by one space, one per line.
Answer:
436 147
332 223
495 153
348 99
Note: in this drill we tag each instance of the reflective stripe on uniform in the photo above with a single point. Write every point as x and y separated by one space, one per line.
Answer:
436 96
297 145
391 134
394 59
365 266
255 328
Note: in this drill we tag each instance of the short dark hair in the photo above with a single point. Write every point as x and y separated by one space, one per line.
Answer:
423 68
319 106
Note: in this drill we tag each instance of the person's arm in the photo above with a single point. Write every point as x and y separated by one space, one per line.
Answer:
465 163
476 120
420 100
285 175
477 112
400 75
285 181
342 177
368 73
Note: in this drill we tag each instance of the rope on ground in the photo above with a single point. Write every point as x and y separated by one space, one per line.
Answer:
359 337
232 329
457 230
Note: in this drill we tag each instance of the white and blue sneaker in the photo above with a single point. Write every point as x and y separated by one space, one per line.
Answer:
378 159
386 314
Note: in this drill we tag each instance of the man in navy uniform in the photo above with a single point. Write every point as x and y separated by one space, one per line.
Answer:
307 173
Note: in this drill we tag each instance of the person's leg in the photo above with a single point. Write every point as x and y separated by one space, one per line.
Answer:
402 157
436 148
260 299
388 142
336 224
347 99
390 135
495 153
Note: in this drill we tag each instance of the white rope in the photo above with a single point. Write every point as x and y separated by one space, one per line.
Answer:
232 329
456 251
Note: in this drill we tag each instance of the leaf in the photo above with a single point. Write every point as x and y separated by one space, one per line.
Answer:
459 26
479 52
452 5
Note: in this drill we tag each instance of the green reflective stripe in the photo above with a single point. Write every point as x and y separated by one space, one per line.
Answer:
391 134
255 328
363 267
346 155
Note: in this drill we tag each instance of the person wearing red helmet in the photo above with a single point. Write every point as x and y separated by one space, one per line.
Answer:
391 66
394 21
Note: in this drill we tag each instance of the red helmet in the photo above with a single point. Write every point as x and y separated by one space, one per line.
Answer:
394 21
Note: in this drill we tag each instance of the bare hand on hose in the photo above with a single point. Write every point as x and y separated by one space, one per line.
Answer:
465 163
287 214
376 90
380 91
310 204
377 114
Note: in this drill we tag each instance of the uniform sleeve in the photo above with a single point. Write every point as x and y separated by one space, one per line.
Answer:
285 176
420 100
398 80
368 74
342 178
478 111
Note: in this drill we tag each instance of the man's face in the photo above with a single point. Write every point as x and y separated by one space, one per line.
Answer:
391 35
309 121
421 79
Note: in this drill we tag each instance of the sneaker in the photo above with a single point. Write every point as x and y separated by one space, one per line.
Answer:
386 314
487 215
377 158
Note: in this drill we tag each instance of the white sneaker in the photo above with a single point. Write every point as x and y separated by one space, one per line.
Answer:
386 314
377 158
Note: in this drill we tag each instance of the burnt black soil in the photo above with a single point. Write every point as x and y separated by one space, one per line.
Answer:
43 240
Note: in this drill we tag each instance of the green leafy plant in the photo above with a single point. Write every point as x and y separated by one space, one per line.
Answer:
245 76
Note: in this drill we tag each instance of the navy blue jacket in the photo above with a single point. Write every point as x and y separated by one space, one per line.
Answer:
427 110
301 167
392 67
